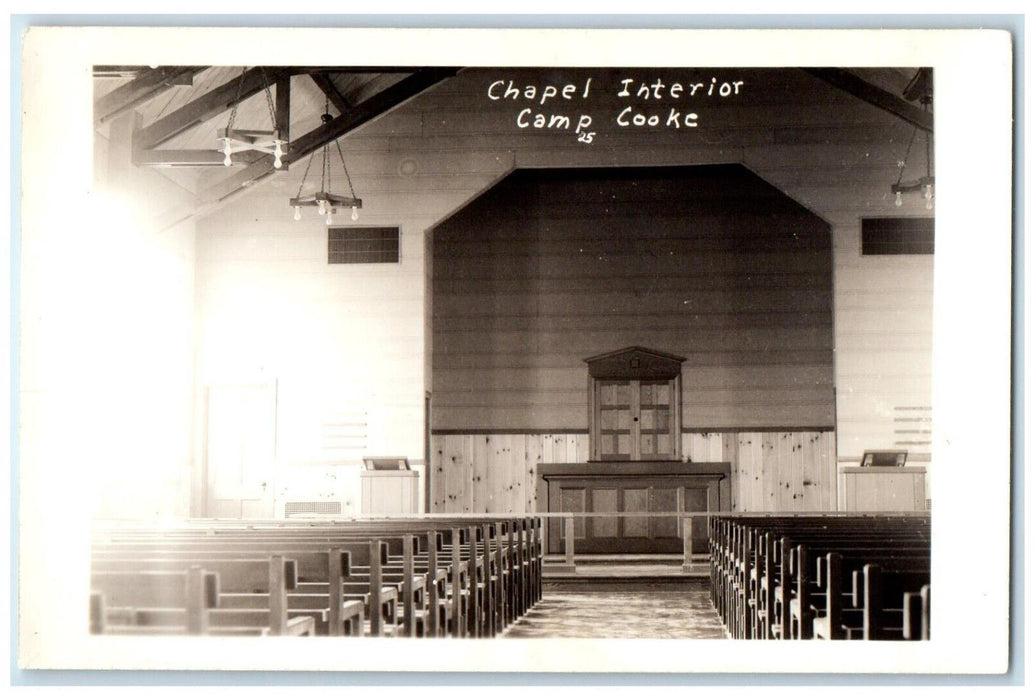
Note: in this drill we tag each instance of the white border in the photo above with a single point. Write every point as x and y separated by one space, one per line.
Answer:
971 359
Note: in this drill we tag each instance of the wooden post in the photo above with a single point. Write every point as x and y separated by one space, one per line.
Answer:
490 590
197 616
501 598
569 540
434 601
925 613
688 545
834 601
376 613
409 623
804 585
770 584
458 611
474 607
526 565
334 620
515 585
785 588
871 601
538 530
278 596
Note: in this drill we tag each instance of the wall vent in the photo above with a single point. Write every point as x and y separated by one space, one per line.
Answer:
898 236
353 245
312 508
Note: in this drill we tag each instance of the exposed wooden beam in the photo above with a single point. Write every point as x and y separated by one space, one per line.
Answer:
867 92
328 88
208 105
298 70
364 112
174 158
146 85
283 107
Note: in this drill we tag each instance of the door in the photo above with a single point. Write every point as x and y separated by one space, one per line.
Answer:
240 450
636 420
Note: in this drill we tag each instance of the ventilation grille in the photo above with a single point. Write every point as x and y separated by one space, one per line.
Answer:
913 431
898 236
312 507
354 245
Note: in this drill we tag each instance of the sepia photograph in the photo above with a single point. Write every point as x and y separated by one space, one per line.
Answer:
514 350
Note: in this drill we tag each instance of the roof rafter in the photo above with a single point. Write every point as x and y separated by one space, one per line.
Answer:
147 84
208 105
328 88
356 117
867 92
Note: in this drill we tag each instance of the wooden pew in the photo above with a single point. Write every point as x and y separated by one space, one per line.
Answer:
755 577
162 596
863 599
494 580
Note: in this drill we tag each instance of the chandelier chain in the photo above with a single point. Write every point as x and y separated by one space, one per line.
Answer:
237 101
269 99
345 168
305 175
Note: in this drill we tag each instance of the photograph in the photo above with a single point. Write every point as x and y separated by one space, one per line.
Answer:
514 350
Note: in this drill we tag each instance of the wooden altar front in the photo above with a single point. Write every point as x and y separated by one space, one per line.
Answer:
631 487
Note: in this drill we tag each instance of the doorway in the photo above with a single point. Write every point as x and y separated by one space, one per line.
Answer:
240 450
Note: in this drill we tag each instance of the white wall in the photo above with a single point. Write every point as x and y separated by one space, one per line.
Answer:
344 343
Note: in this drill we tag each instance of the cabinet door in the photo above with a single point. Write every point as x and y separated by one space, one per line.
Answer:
655 421
615 412
636 420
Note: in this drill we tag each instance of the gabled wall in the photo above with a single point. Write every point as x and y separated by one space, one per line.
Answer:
268 303
708 262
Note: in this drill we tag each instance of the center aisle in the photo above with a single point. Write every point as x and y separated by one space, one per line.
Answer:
622 611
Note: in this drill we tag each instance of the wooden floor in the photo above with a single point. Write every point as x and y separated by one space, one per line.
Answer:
622 610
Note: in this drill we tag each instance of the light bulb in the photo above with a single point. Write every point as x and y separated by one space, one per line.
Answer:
277 153
277 162
929 205
329 220
226 152
298 213
322 209
928 192
898 199
355 213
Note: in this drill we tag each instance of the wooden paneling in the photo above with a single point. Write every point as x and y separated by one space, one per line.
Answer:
574 263
791 471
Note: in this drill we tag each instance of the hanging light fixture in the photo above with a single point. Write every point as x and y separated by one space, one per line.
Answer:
326 202
919 87
233 140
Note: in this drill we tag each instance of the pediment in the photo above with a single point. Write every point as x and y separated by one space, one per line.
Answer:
635 362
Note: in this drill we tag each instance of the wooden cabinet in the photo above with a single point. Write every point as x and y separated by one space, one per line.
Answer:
389 492
634 405
883 489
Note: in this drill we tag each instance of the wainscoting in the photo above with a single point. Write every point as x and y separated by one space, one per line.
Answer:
775 471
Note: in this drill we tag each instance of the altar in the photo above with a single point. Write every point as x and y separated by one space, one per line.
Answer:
611 488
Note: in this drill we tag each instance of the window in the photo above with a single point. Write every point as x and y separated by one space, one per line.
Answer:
362 244
898 236
635 405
